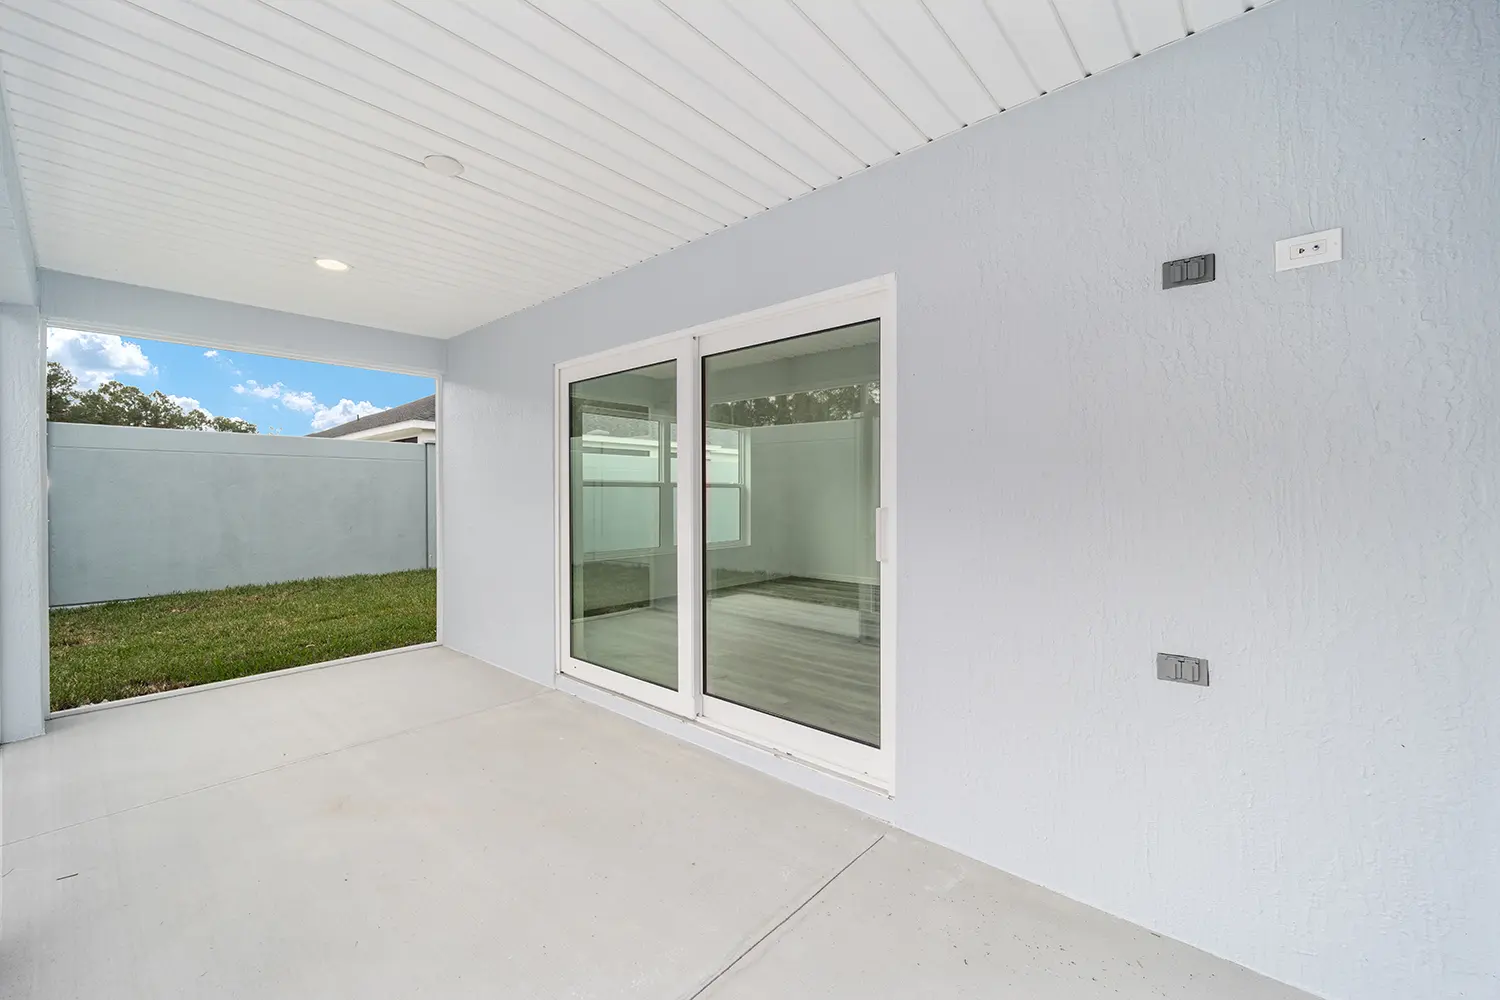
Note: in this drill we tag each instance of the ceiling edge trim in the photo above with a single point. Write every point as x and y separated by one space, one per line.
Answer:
99 305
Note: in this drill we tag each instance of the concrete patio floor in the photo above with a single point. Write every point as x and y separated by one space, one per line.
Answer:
422 824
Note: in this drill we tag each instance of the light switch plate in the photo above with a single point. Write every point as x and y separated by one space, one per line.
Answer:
1184 669
1313 248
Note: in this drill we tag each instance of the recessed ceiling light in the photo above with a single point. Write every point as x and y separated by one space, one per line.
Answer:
329 264
446 166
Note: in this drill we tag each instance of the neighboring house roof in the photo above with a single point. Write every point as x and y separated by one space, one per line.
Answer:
418 409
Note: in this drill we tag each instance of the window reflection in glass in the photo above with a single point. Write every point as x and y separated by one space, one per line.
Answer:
792 612
623 536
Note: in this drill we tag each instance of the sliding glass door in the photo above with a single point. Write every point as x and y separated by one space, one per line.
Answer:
725 528
624 624
624 551
791 615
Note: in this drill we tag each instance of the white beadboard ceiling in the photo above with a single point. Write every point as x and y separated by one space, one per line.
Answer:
218 147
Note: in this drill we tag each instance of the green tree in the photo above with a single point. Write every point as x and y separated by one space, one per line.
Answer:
62 391
844 402
229 425
123 405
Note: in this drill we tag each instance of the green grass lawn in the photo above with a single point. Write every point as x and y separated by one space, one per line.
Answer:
127 648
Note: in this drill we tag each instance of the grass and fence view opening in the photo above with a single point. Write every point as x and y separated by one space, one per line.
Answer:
187 547
121 649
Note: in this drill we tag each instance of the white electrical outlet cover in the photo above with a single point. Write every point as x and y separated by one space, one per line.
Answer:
1314 248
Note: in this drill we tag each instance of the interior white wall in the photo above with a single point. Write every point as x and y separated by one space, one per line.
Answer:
804 495
72 300
23 525
804 502
1293 475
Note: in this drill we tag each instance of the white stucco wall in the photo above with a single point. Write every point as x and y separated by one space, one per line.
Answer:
18 284
1294 475
23 525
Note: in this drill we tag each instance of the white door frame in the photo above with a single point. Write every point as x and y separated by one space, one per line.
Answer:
682 701
859 302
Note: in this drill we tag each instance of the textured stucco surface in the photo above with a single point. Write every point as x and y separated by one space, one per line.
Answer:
18 284
23 526
1294 475
17 276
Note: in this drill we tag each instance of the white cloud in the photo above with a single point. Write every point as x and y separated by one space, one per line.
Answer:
342 412
188 403
323 417
250 387
95 358
224 361
302 402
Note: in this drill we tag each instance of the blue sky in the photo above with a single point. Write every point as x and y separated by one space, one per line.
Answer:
277 395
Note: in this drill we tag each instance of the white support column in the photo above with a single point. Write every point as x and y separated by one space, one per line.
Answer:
23 524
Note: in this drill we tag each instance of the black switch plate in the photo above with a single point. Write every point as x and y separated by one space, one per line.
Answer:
1188 271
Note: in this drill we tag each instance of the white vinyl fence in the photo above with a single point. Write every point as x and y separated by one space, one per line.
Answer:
138 511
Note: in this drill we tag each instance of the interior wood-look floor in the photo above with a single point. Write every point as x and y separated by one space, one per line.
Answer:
800 661
423 824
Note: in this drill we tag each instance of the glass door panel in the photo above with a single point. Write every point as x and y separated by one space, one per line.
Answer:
791 582
726 550
622 530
